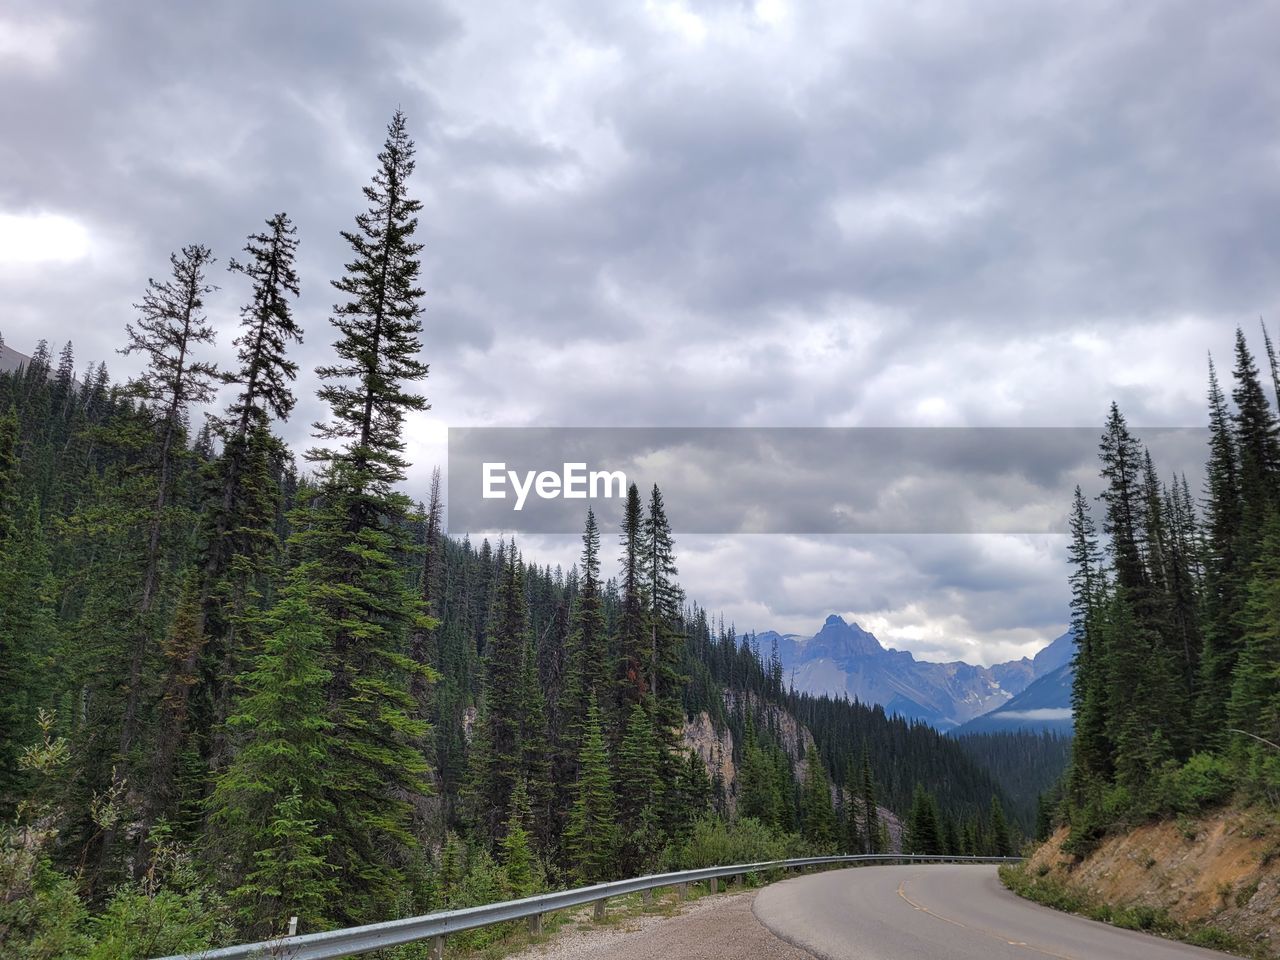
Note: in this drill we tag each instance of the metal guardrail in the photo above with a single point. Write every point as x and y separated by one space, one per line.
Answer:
349 941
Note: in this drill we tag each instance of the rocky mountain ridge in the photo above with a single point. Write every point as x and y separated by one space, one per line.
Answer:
842 659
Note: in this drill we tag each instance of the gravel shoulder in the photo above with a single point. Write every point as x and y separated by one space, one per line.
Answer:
718 927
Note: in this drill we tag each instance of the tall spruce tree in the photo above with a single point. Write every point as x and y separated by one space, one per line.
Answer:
169 330
817 816
422 648
632 669
924 831
273 805
239 539
1089 693
1223 569
666 647
1257 437
640 820
591 835
356 532
1254 707
1273 363
587 652
1001 840
497 758
870 811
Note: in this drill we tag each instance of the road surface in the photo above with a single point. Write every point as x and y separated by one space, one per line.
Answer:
940 912
719 927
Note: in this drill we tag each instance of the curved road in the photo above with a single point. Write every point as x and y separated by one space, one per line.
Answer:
940 912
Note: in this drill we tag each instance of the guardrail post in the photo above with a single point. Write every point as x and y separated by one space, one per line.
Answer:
682 891
535 925
714 884
598 913
647 897
437 948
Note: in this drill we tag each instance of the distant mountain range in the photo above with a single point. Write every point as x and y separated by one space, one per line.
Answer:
11 359
842 659
1044 705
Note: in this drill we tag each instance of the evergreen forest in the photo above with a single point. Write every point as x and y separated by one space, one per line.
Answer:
241 683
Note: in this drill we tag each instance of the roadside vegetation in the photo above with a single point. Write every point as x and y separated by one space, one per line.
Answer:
1176 610
1052 892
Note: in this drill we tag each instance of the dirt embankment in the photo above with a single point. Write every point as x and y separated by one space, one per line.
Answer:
1221 871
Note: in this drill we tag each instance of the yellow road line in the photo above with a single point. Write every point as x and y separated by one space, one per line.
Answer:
902 892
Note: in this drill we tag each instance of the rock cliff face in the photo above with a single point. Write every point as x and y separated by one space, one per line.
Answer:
1221 871
794 736
715 749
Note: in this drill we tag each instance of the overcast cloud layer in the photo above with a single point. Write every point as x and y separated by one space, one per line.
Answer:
696 213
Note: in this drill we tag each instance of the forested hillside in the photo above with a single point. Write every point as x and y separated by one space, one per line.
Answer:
1177 604
236 688
1029 764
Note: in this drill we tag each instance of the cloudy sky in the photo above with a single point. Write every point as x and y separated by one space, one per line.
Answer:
696 213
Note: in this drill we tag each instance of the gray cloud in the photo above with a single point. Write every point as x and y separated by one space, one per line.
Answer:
696 213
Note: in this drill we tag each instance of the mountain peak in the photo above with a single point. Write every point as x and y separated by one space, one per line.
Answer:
838 638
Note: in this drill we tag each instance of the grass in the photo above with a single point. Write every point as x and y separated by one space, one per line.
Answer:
1052 892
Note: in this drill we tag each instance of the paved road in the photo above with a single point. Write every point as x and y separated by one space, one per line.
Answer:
940 912
710 928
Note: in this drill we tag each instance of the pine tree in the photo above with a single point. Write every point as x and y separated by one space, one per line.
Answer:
639 794
787 788
695 790
587 643
356 532
498 756
26 635
239 537
273 806
1000 838
379 341
1254 706
517 858
421 642
591 834
8 471
1091 751
666 652
1144 713
870 812
758 794
1121 465
817 817
1044 818
923 834
535 752
849 813
170 327
1256 434
632 664
952 845
1223 571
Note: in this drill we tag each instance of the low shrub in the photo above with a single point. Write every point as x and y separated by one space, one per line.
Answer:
1204 781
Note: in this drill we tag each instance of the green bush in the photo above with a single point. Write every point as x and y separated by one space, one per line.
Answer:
1204 781
1118 805
715 842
